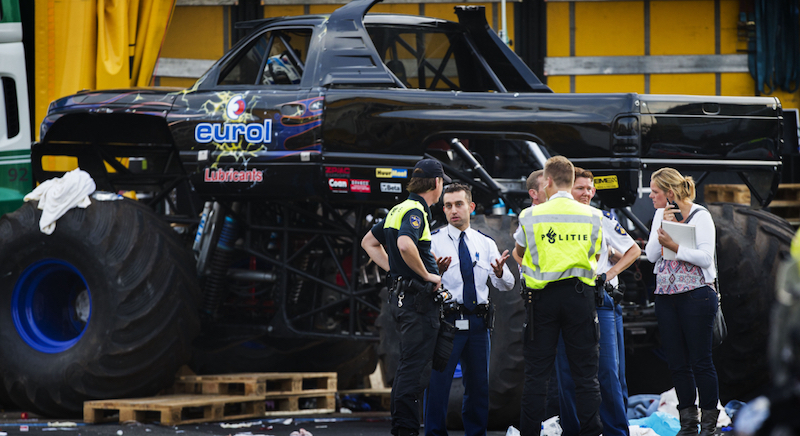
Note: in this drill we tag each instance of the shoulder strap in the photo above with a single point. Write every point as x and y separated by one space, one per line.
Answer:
699 208
716 279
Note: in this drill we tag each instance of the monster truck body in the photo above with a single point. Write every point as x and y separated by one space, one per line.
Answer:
281 156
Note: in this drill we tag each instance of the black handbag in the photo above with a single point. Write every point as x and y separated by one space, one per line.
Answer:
720 328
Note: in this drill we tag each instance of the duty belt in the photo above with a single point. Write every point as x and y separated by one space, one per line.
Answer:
408 285
459 309
564 282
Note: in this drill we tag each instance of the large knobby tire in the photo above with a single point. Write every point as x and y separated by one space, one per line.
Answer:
105 307
750 246
506 362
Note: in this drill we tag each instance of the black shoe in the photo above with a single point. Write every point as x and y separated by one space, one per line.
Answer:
708 424
689 421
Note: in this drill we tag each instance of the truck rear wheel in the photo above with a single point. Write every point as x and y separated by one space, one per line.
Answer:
105 307
750 245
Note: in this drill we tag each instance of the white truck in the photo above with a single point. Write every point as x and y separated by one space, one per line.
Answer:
15 130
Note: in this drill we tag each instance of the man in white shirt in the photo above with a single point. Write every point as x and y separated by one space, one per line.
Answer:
467 259
618 252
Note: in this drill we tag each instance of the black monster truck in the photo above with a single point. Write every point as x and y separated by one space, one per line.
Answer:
256 185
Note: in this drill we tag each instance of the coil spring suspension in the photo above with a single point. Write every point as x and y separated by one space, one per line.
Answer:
220 261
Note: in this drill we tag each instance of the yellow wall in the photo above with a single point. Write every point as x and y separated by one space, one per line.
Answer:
282 11
676 28
593 38
196 32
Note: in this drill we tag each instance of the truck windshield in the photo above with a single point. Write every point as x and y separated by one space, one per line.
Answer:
275 58
430 59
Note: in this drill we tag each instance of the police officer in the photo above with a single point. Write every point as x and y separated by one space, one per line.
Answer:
559 242
535 186
618 253
406 236
467 260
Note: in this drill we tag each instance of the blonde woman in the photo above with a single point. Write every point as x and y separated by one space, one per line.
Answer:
686 300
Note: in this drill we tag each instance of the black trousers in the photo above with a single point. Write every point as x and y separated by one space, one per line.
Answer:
418 325
566 307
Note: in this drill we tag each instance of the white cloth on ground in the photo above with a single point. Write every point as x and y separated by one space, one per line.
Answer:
57 196
669 404
635 430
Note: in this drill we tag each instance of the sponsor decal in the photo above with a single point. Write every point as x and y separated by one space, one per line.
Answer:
235 107
359 186
394 188
231 175
415 221
390 173
606 182
337 171
227 133
338 185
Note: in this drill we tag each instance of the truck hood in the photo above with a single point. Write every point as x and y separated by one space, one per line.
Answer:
155 101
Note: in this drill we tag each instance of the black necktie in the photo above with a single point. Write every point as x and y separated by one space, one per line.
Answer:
468 276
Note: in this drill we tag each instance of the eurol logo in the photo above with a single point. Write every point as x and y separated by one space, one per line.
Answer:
226 133
235 107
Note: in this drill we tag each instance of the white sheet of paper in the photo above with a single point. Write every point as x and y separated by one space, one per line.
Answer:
682 234
462 324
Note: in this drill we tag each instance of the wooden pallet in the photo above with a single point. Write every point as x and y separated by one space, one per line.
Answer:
726 193
786 203
300 404
175 409
788 192
260 383
385 395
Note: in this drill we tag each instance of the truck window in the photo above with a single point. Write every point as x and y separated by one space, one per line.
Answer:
430 59
274 58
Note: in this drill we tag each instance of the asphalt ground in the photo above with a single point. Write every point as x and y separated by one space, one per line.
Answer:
357 424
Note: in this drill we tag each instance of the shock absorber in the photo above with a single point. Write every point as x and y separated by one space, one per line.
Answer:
220 261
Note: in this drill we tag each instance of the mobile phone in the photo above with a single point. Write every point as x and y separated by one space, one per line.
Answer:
678 215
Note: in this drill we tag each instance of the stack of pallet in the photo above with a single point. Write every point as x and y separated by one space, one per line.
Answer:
726 193
206 398
377 389
786 203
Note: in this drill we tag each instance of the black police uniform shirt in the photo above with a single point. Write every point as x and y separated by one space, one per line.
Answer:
413 226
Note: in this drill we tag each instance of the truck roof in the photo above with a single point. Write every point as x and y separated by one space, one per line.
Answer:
370 18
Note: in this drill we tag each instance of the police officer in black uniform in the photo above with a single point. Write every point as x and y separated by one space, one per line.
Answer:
401 244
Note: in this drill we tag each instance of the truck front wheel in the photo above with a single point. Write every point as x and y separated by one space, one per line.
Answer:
105 307
750 247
